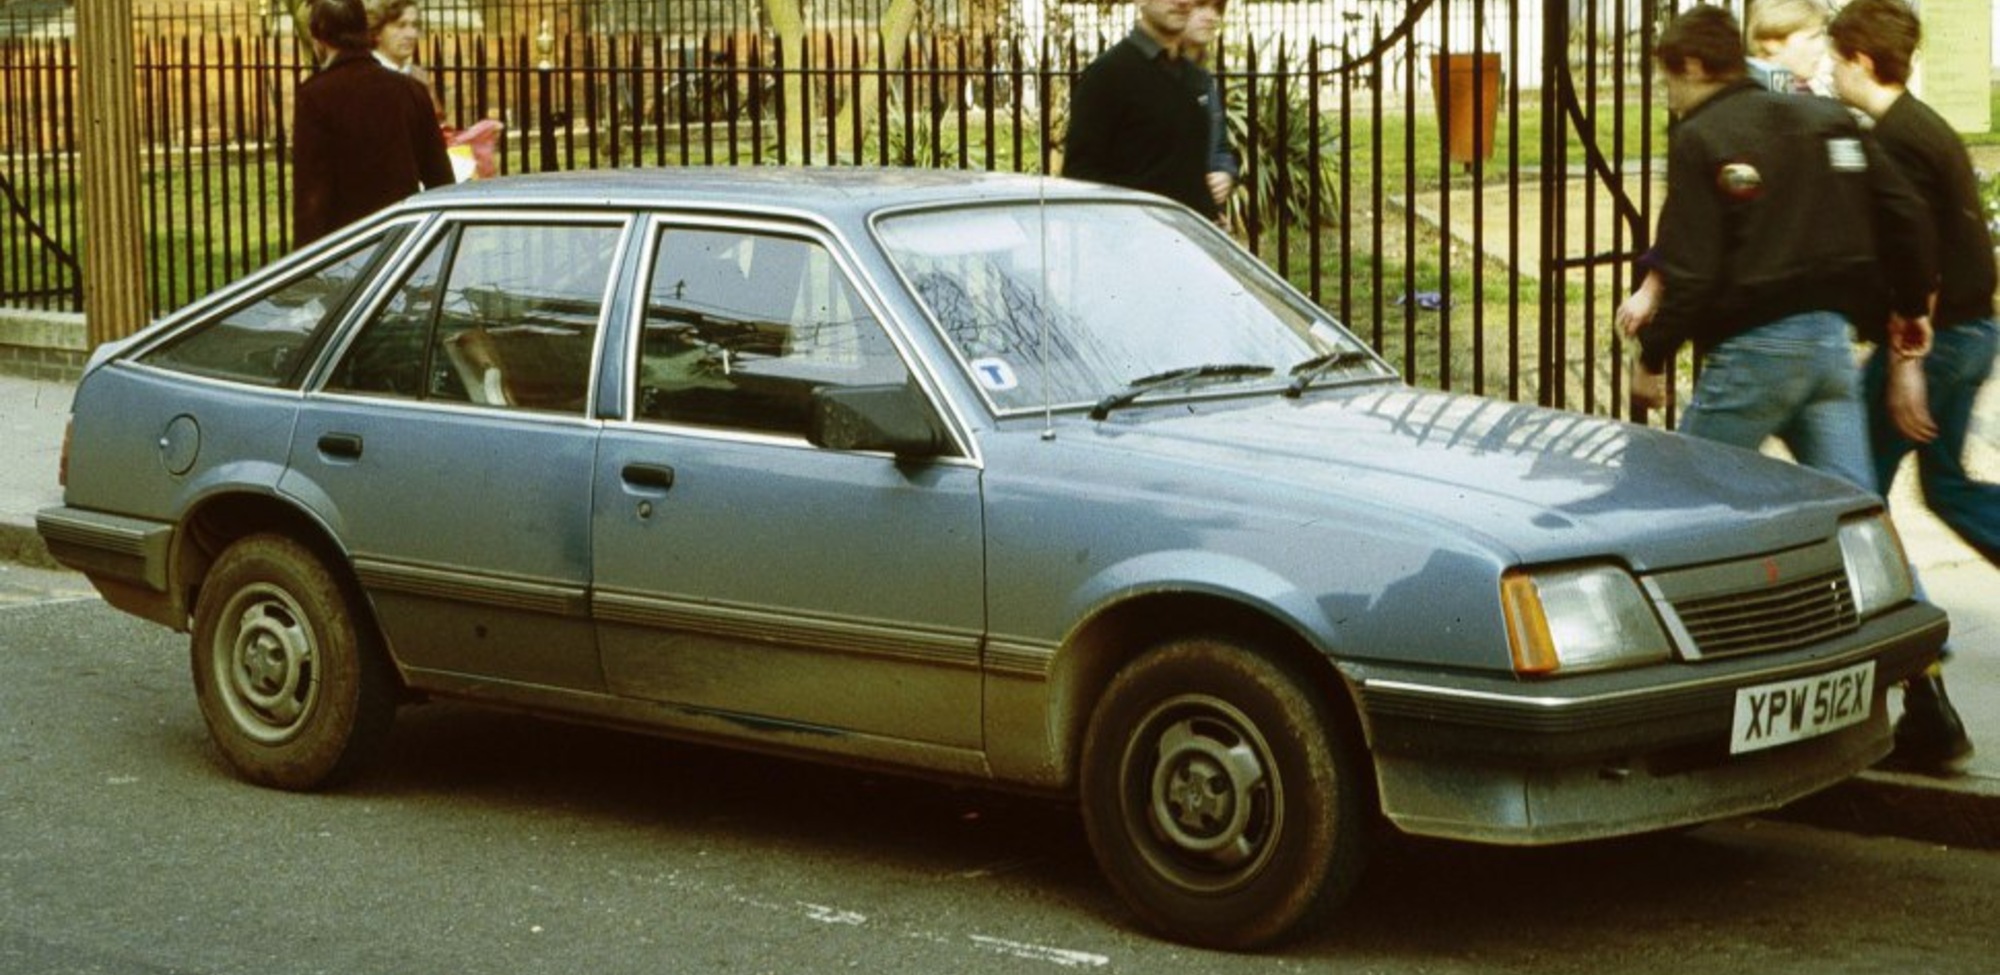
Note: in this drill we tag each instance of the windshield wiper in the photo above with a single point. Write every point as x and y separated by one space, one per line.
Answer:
1305 373
1146 384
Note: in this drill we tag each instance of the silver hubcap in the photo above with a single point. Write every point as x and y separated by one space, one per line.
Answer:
1210 796
267 663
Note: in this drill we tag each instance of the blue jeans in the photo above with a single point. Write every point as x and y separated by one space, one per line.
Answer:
1793 379
1961 360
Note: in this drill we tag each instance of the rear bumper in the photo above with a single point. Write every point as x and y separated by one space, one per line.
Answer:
1507 761
96 543
125 558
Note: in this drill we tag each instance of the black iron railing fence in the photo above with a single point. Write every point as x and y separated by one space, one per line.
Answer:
1487 260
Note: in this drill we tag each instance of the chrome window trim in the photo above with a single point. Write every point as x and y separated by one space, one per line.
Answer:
727 435
259 284
866 289
545 417
213 382
385 285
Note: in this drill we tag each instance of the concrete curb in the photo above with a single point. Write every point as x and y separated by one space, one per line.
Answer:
23 545
1958 812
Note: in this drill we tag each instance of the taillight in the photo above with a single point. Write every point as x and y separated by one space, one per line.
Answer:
62 461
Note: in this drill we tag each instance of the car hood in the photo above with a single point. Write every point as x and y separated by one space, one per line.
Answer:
1545 485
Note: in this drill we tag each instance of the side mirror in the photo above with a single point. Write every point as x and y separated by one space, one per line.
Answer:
896 419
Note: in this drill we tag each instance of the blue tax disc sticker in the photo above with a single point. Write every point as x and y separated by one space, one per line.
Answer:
995 374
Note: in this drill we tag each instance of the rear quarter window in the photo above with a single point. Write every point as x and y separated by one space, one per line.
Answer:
263 342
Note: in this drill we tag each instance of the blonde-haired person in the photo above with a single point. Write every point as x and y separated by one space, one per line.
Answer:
1788 45
395 27
1224 169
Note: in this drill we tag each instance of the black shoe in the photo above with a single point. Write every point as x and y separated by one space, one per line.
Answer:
1930 736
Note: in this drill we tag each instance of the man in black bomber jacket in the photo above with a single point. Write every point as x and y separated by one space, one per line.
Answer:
1781 221
1138 116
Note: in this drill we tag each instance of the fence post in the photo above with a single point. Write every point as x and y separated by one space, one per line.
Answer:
545 95
114 256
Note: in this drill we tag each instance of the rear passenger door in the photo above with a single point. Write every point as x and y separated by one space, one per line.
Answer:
450 449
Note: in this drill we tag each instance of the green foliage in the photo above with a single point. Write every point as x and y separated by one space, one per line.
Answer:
1279 155
918 141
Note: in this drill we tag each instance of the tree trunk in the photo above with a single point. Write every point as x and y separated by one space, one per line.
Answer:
898 21
114 256
788 22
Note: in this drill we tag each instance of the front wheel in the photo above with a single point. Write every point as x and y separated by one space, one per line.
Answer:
294 692
1219 800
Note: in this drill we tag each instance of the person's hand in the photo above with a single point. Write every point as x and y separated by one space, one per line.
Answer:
1220 185
1648 388
1640 306
1909 337
1908 399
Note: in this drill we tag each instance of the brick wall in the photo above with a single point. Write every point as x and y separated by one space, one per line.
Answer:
42 344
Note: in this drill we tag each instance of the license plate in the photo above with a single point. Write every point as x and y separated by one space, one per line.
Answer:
1779 713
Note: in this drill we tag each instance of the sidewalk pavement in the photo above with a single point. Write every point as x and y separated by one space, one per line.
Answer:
1961 811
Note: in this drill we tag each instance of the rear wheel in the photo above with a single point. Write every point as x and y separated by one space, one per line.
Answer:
295 694
1219 800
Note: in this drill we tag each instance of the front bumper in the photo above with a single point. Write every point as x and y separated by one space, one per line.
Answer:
1501 760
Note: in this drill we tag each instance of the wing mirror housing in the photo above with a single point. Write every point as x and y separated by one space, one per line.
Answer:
894 418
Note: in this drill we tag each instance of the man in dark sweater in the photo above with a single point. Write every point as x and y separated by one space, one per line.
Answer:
1921 399
1777 208
1139 114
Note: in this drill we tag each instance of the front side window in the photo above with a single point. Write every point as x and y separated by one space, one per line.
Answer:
494 314
742 326
265 342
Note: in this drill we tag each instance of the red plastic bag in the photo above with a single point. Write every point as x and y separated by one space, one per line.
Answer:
475 150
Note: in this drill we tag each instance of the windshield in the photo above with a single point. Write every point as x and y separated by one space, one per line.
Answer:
1091 297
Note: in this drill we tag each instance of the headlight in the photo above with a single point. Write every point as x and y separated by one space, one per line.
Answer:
1876 566
1569 620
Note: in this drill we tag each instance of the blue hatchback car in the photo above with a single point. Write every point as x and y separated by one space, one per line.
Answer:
986 477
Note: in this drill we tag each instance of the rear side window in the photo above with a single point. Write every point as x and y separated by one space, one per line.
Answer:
496 314
265 342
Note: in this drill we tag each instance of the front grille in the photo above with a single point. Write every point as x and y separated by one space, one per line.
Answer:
1771 618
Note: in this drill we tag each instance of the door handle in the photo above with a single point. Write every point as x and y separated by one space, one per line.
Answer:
343 445
656 476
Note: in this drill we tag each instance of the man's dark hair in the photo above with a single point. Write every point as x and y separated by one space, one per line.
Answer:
1885 30
341 24
1708 34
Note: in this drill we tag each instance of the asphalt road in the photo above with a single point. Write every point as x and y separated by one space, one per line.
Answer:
496 843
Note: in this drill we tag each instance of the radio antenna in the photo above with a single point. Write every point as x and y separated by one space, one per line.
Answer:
1042 305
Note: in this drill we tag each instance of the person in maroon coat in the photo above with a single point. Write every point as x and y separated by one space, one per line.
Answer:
365 136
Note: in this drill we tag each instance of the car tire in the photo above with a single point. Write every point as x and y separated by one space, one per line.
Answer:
1219 800
295 691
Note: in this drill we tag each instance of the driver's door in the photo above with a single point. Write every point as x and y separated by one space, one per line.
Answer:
741 571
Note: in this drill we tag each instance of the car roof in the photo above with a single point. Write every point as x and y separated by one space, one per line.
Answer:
838 192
